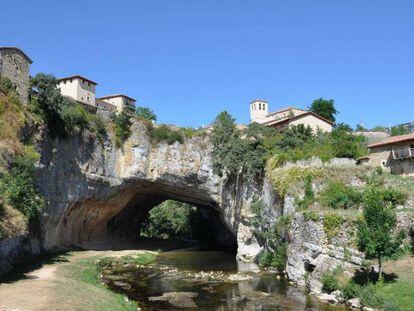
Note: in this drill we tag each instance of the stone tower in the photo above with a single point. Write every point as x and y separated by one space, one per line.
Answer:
259 109
15 65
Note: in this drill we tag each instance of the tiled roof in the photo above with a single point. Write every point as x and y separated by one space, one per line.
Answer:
77 77
116 95
393 140
299 116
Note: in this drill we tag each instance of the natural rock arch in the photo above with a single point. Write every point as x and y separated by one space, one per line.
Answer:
95 191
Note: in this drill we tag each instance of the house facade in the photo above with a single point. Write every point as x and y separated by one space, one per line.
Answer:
283 118
78 88
394 154
120 101
15 65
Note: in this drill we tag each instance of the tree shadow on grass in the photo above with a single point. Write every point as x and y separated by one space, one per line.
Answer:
21 271
366 276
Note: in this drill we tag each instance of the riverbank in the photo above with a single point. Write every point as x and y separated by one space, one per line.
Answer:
67 281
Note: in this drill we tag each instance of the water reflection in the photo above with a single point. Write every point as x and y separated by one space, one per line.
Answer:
209 280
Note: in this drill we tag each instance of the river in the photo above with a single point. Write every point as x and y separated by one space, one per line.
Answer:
209 280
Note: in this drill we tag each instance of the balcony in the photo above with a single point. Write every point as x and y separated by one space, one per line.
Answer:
403 153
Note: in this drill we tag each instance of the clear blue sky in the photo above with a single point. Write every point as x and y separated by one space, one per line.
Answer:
189 60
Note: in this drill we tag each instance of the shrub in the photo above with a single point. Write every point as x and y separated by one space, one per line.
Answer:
12 222
265 258
338 195
122 127
164 133
75 118
6 86
331 224
280 257
329 282
311 216
19 189
351 290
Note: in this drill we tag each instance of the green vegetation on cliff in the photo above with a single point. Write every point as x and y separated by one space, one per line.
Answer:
20 200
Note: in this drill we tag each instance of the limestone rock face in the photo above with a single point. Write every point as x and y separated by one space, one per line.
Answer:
96 192
311 255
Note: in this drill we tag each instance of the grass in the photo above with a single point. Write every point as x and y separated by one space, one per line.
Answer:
80 283
400 290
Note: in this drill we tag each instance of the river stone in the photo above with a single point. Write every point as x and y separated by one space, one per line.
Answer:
354 303
177 299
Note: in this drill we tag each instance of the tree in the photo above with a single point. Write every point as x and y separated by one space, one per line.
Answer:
145 113
324 108
399 130
50 102
376 231
224 137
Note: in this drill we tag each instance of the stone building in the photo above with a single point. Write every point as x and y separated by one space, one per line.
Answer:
120 101
395 154
15 65
283 118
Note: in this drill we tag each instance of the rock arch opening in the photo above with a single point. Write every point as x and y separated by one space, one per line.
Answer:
123 215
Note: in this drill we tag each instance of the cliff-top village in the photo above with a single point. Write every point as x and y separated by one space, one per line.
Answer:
394 154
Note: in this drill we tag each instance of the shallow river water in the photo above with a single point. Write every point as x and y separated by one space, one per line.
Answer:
209 280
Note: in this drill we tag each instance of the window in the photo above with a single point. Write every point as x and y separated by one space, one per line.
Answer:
412 146
87 98
264 106
260 106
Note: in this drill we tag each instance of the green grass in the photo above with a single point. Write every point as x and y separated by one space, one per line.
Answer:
80 281
401 290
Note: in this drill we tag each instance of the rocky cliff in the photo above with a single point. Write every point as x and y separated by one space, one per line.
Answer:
96 192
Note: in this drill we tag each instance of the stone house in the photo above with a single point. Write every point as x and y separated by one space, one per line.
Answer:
283 118
394 154
120 101
15 65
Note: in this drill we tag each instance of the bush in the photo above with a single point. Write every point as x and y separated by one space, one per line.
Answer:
164 133
6 86
280 257
329 282
75 118
12 222
338 195
311 216
19 189
351 290
332 224
122 127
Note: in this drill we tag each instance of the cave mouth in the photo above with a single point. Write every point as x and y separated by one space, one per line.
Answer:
130 213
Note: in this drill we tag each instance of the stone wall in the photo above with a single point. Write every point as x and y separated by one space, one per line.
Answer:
16 66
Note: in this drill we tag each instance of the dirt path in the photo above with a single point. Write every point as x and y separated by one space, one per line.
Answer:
45 288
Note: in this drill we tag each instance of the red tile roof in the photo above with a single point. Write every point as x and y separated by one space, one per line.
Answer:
393 140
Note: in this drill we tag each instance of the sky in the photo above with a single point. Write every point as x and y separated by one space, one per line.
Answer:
188 60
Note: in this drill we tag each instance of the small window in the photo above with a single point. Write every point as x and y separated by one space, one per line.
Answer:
264 106
260 106
412 146
87 98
